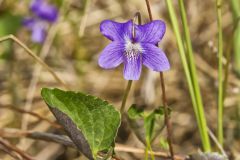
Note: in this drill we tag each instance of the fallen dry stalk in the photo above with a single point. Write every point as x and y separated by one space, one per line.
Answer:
55 125
64 140
15 149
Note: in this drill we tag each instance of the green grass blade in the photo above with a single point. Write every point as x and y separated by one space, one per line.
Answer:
203 132
192 68
235 6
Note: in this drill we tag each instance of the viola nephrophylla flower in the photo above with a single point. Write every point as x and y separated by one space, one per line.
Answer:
38 29
43 15
135 51
44 11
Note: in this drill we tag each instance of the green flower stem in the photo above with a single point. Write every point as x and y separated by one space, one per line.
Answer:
191 79
125 96
220 72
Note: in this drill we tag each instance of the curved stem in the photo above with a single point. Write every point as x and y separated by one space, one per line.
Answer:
164 99
36 58
166 116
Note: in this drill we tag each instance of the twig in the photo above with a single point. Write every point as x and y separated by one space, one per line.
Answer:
15 133
32 114
84 18
9 152
124 148
33 55
215 140
167 116
36 72
164 99
64 140
15 149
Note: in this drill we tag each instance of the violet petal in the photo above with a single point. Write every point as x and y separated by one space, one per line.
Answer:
116 31
111 56
38 34
152 32
132 68
35 5
29 22
154 58
44 11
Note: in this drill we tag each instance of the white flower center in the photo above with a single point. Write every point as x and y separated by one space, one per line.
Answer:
132 50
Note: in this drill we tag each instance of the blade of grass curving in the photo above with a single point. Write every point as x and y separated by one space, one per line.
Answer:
35 57
192 68
220 71
202 130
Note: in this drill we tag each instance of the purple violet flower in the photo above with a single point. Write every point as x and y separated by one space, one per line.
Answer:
44 14
38 29
136 51
44 11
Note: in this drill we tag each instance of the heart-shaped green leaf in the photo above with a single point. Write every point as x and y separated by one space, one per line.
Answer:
96 120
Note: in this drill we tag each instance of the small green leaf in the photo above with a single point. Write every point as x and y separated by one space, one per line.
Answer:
149 122
143 122
97 120
134 112
164 143
161 111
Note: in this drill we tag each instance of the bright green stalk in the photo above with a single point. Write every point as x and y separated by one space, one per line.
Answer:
235 5
237 49
151 151
198 112
220 72
148 149
193 71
